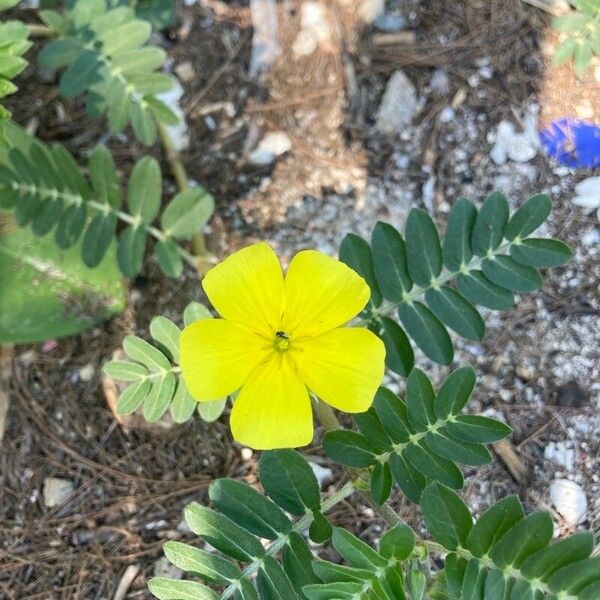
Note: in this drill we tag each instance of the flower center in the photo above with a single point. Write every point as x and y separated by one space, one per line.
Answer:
282 341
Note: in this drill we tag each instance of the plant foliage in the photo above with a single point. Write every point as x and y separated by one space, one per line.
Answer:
14 44
487 254
503 555
106 56
47 190
582 29
156 381
417 441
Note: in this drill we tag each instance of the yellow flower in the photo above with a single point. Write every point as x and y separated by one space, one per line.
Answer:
278 337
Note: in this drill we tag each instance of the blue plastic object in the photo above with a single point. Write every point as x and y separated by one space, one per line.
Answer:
573 143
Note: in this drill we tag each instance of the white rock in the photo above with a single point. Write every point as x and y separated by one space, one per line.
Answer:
274 144
440 82
446 115
314 29
178 134
588 194
323 474
559 453
246 453
56 491
514 145
265 36
398 105
86 372
569 500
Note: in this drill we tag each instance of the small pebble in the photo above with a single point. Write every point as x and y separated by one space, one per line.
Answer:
56 490
569 500
246 453
87 372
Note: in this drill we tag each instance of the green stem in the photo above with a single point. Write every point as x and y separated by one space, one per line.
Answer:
41 31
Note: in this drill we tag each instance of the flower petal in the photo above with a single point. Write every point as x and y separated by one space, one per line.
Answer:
273 409
343 367
321 293
217 355
247 287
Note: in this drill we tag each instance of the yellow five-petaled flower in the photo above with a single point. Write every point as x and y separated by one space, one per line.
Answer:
280 337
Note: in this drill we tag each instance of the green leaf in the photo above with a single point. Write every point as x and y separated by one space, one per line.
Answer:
457 450
529 217
119 105
159 398
248 508
212 410
544 563
98 238
161 111
446 516
399 355
381 483
320 529
169 257
141 60
422 248
575 577
166 333
195 311
59 53
125 370
450 307
531 534
478 289
474 429
349 448
145 190
457 240
398 542
171 589
128 36
222 533
133 397
455 392
105 180
356 253
393 415
371 427
141 351
130 250
187 213
297 558
410 480
541 253
272 581
182 404
571 22
289 480
507 272
389 262
433 466
356 552
67 298
490 224
427 331
207 565
142 123
420 399
80 74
